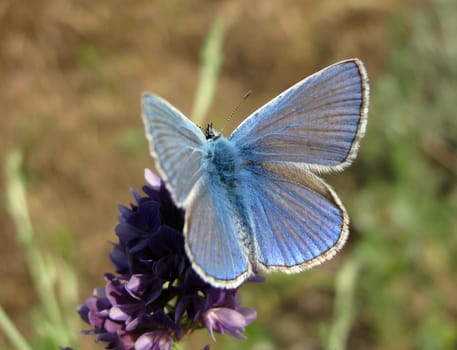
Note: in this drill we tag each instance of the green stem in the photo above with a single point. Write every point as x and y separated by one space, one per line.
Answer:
344 305
18 209
12 332
211 59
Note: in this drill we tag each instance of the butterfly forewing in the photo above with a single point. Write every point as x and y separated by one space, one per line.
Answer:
318 122
176 144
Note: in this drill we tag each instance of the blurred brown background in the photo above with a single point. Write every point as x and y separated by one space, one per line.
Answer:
72 74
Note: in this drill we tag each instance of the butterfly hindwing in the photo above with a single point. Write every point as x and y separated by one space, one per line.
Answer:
297 220
176 144
318 122
213 238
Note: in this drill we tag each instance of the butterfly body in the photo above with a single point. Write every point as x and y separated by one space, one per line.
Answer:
223 162
254 200
227 175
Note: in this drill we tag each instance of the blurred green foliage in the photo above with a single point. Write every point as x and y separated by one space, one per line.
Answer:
54 281
405 211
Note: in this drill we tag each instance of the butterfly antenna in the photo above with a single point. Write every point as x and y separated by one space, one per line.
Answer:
245 97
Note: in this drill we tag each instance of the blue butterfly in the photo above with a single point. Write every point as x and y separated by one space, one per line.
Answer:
254 201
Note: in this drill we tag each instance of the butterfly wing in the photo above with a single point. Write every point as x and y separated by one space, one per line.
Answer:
318 122
214 238
176 145
297 220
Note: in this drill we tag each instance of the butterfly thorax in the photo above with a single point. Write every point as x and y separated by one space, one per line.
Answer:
223 162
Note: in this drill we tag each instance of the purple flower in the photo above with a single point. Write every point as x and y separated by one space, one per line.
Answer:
224 320
156 297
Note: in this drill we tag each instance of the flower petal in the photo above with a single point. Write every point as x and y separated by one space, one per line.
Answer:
155 340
